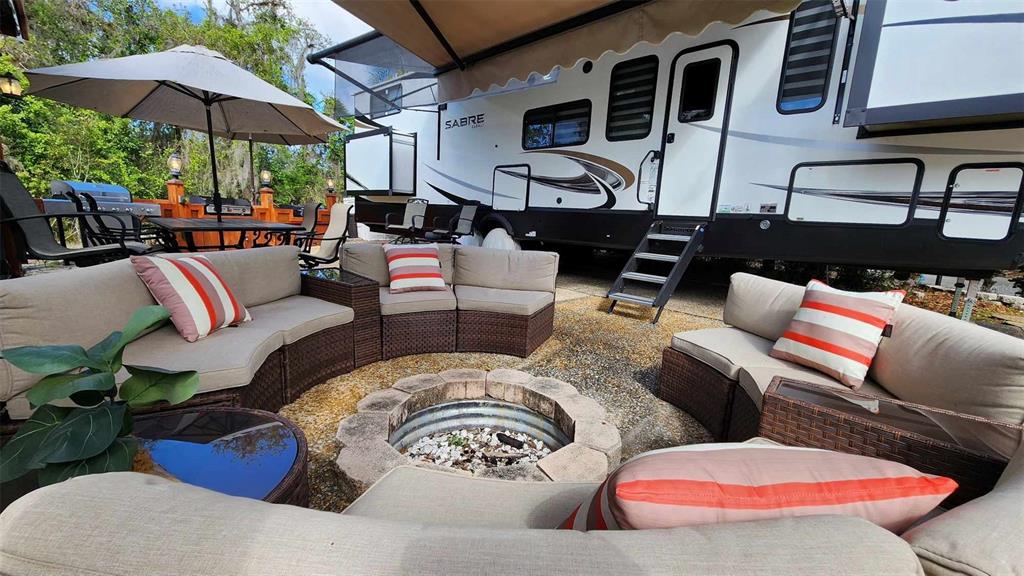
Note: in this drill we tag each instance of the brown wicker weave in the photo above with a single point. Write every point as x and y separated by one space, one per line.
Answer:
362 296
315 359
744 417
798 422
697 389
504 333
418 333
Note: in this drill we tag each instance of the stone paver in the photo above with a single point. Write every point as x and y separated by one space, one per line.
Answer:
388 401
363 427
502 378
363 464
517 472
576 407
575 463
600 436
474 380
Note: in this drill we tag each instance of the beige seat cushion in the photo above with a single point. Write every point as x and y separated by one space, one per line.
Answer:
419 301
724 349
980 537
754 380
296 317
440 498
518 302
67 528
506 269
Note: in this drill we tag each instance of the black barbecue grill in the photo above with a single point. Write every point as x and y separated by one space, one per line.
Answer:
109 198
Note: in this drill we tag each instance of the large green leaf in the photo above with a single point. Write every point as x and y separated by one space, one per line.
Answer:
117 458
84 433
50 359
144 320
149 385
59 386
20 454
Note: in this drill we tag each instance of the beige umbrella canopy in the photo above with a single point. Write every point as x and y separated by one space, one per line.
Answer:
191 87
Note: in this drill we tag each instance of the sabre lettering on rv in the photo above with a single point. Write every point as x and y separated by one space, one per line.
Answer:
473 121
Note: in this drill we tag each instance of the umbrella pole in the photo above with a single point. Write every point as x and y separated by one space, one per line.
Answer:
213 165
252 171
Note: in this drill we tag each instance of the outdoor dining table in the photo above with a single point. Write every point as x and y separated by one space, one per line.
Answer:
263 232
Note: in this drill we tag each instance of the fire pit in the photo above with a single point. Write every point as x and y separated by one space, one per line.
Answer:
499 424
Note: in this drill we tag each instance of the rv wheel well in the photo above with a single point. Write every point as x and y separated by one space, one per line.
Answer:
492 221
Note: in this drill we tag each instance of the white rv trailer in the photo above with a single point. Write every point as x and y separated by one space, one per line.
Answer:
891 137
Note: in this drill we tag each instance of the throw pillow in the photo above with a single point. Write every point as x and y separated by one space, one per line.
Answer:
837 332
194 292
413 267
738 482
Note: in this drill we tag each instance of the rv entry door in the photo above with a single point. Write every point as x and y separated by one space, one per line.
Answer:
700 91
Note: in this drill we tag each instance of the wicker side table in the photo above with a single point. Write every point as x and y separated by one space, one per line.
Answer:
358 293
799 413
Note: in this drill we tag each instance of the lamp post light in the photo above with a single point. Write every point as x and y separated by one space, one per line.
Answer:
10 86
265 177
174 165
330 185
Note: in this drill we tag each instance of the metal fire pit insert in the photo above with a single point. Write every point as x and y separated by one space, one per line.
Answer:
585 446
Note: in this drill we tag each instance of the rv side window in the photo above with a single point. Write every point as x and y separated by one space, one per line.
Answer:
631 99
699 88
559 125
380 108
808 57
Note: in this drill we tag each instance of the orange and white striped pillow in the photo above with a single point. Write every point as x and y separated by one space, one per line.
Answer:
413 267
193 291
740 482
838 332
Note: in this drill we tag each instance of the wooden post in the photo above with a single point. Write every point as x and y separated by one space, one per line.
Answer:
176 196
330 200
266 195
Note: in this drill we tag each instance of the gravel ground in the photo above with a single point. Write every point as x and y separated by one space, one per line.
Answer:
610 358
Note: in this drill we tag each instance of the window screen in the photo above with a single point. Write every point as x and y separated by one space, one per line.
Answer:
379 107
812 32
560 125
699 88
631 98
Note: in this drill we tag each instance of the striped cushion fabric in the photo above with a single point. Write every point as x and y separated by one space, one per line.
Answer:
740 482
838 332
196 295
414 267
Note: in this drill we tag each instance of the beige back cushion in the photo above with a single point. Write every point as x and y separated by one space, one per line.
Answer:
507 269
79 306
258 275
760 305
940 361
367 259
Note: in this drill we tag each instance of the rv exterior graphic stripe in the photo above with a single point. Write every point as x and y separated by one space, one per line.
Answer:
1008 18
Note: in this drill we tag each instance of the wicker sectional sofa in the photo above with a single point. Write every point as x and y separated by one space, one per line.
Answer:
498 301
264 364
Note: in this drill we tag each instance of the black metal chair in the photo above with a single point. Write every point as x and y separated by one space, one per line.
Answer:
413 220
458 226
104 228
331 241
33 236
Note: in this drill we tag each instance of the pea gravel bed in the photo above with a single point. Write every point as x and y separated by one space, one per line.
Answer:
612 358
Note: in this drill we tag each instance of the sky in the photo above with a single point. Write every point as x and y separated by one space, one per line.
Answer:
328 18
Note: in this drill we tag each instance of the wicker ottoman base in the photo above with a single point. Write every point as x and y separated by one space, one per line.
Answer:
417 333
697 389
315 359
504 333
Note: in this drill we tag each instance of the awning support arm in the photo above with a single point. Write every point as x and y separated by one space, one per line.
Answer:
437 33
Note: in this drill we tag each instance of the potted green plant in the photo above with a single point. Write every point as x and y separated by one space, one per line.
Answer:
62 442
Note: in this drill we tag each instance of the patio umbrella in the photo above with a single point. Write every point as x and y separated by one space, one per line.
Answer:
191 87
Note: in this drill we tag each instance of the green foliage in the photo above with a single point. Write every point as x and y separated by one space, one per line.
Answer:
44 140
65 442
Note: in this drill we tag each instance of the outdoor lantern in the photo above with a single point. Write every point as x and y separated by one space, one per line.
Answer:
265 178
10 86
174 164
330 185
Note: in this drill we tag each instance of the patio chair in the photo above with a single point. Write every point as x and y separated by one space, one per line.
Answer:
331 241
412 221
458 226
34 238
310 219
96 230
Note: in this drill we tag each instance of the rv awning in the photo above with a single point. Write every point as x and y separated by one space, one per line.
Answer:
476 44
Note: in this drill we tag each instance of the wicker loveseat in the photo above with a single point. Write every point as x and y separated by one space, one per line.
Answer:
497 301
264 364
416 521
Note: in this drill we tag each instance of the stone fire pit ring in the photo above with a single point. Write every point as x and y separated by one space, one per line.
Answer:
365 437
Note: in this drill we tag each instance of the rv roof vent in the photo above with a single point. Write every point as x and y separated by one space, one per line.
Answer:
631 98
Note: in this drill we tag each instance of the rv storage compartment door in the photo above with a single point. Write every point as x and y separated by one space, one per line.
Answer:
924 64
380 162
